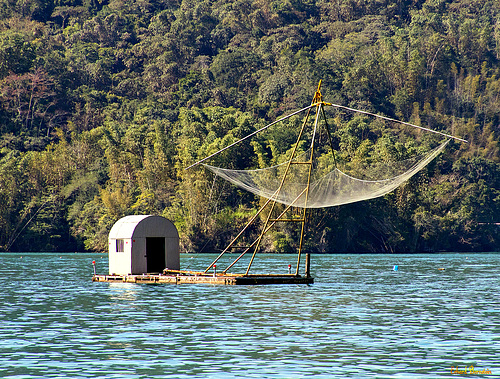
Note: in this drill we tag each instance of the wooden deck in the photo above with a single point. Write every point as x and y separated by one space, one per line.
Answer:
205 279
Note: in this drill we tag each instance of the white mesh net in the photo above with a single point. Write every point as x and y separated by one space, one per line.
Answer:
327 190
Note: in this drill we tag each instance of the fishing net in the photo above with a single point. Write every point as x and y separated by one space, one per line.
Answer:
326 189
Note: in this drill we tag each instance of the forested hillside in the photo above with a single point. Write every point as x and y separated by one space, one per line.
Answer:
104 103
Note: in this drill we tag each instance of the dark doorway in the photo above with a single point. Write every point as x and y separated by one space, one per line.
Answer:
155 254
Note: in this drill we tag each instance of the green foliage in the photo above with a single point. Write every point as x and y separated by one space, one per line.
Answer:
104 103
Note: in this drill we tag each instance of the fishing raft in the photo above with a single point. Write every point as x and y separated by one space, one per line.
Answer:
290 189
193 277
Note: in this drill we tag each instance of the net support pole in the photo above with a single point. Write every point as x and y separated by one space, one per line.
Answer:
308 265
237 237
329 136
273 222
273 204
318 98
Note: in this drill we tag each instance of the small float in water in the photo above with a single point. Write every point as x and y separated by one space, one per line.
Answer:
145 249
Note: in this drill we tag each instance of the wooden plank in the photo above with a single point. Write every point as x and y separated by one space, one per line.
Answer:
205 279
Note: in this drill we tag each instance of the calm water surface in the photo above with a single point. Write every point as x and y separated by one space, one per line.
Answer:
360 319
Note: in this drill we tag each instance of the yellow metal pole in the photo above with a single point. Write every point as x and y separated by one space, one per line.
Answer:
292 155
238 236
265 231
318 98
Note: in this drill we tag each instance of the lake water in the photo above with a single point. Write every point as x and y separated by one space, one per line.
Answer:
360 319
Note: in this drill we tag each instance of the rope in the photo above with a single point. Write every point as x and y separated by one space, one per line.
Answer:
394 120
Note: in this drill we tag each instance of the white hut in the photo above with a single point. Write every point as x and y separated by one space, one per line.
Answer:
143 244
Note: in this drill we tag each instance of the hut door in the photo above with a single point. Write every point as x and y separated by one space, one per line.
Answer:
155 253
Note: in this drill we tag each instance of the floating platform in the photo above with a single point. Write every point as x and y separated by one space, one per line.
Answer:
185 278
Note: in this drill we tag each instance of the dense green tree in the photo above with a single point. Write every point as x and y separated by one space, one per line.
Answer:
103 104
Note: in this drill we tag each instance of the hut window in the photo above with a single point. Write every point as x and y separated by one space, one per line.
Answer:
120 246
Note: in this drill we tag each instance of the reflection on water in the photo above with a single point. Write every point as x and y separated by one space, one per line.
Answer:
361 318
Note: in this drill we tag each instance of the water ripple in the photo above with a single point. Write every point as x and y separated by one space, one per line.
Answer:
360 319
